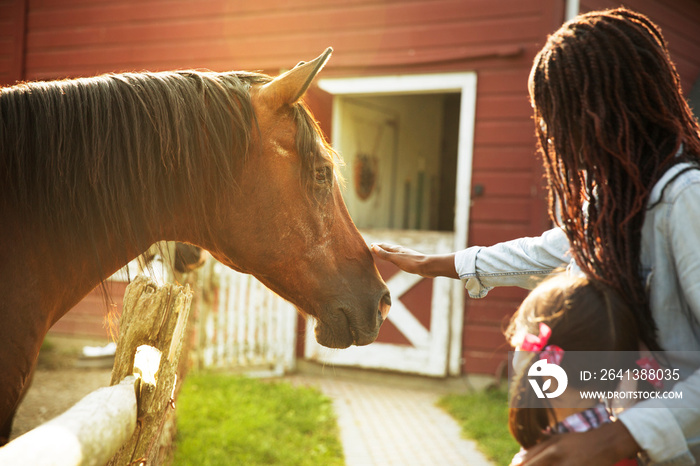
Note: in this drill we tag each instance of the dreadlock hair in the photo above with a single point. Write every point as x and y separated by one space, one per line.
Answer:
610 120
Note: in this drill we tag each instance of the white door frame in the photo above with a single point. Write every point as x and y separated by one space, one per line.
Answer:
465 84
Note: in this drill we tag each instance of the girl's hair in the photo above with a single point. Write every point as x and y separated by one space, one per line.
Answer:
584 315
610 119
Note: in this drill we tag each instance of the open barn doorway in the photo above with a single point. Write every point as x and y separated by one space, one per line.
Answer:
400 155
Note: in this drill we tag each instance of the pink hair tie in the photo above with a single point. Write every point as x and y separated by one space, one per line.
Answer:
538 343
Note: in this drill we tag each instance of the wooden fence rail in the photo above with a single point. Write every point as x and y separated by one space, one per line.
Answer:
89 433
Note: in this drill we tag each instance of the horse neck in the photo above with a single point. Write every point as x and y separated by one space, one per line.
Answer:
66 260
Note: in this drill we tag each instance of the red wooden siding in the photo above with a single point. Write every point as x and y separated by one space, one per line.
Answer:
12 27
92 317
507 196
81 37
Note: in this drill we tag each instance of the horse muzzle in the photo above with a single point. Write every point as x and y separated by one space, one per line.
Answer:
346 326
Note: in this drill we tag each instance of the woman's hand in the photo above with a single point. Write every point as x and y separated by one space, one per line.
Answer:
603 446
408 260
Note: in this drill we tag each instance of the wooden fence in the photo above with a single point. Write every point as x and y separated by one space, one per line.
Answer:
124 422
237 325
240 325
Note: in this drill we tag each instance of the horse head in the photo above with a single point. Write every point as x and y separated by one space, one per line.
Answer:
292 229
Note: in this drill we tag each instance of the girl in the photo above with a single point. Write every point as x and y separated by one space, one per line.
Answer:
563 316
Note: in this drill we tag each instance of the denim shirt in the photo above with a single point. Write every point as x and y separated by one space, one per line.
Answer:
670 256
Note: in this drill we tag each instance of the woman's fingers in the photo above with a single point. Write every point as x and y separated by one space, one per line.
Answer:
386 247
404 258
392 252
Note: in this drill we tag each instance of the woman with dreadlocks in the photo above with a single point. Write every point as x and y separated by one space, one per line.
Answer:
621 152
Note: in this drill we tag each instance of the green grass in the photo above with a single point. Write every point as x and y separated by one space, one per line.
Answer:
484 418
233 420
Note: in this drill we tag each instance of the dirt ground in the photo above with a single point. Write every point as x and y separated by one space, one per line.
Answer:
60 381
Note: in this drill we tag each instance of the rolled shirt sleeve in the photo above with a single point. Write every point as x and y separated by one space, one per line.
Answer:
522 262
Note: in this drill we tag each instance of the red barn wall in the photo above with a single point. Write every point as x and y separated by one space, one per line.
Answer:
12 29
85 37
68 38
93 317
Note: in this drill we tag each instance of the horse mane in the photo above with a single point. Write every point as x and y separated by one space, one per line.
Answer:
74 153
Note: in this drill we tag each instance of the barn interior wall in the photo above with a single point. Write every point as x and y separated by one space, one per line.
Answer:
401 135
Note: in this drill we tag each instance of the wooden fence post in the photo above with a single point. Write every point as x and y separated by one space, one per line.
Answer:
155 316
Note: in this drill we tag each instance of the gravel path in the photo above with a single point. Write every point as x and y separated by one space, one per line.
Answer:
53 391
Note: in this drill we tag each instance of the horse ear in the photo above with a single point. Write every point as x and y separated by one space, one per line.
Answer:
288 88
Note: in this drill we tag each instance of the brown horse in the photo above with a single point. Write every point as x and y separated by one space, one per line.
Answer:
95 170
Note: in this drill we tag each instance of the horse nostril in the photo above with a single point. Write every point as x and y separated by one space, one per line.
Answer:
384 306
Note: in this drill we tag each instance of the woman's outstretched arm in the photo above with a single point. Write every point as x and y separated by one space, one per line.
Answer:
521 262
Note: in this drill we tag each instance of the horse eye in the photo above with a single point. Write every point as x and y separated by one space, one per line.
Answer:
323 175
